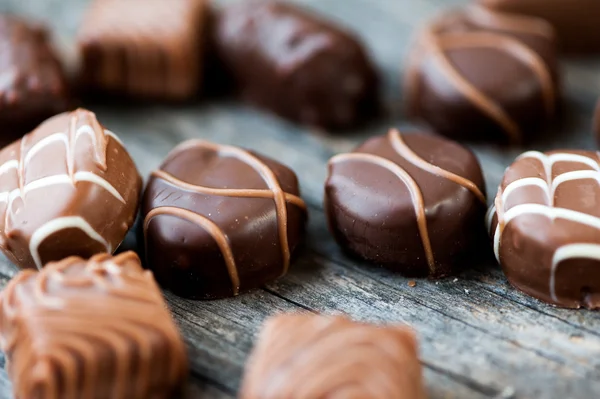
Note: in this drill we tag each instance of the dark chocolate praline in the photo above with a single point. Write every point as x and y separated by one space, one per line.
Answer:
412 203
484 76
219 220
297 65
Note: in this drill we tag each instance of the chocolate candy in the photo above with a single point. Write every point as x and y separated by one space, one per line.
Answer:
32 81
67 188
90 329
313 356
303 68
576 21
220 220
149 49
481 75
596 122
547 226
412 203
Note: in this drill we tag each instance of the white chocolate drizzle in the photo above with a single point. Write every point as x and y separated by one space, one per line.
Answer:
98 136
549 186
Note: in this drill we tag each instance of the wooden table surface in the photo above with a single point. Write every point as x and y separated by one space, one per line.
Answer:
479 337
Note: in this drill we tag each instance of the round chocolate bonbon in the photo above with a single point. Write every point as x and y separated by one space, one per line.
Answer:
297 65
412 203
483 75
547 227
67 188
219 220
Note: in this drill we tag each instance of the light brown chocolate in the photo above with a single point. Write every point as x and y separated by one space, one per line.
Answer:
67 188
547 226
316 357
92 329
143 48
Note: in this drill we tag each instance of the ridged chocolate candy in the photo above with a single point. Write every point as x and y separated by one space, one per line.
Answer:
149 49
219 220
547 226
482 75
67 188
92 329
302 356
412 203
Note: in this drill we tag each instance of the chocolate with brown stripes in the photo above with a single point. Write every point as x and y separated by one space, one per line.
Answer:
219 220
412 203
484 75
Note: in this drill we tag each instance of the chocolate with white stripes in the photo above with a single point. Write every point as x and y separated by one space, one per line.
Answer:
546 229
484 75
67 188
219 220
412 203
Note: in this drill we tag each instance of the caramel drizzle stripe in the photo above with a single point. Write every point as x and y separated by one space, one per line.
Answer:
413 188
226 192
279 196
512 22
404 151
439 46
210 227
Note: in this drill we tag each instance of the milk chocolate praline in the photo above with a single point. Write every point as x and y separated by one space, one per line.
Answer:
92 329
219 220
67 188
413 203
480 75
297 65
301 356
577 22
147 49
33 86
547 224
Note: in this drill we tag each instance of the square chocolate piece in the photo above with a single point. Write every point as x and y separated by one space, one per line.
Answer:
149 49
90 329
307 356
32 81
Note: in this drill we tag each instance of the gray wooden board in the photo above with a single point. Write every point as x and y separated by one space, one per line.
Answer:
479 337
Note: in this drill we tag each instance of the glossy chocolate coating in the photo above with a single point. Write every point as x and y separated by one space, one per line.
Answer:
149 49
577 22
67 188
289 61
92 329
547 227
412 203
301 356
32 81
480 75
219 220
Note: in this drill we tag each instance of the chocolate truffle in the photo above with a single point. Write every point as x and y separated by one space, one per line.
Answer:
412 203
297 65
547 227
480 75
311 356
219 220
67 188
32 81
90 329
150 49
576 21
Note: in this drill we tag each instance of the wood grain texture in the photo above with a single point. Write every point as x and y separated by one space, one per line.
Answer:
479 337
